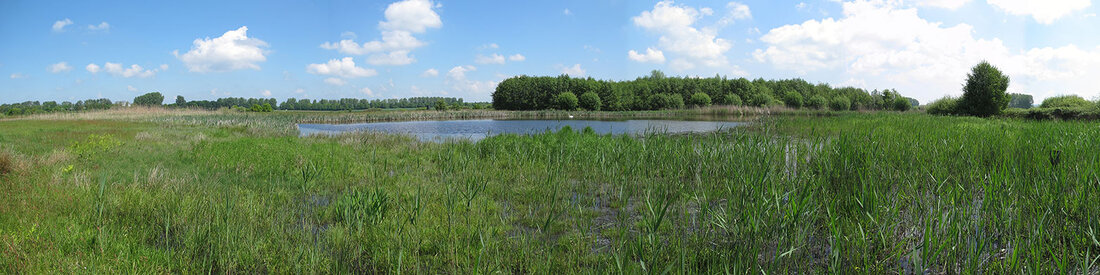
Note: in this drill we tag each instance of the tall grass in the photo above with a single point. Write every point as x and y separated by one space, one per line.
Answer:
853 193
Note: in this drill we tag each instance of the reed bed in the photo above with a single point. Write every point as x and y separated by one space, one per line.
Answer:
850 193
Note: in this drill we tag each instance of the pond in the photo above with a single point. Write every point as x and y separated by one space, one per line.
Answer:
479 129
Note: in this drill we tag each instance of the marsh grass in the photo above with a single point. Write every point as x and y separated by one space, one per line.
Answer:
845 193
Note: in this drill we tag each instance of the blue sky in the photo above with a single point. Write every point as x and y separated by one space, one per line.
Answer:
74 50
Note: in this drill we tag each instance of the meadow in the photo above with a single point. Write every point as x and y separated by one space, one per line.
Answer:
173 191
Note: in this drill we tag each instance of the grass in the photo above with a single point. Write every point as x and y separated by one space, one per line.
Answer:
215 192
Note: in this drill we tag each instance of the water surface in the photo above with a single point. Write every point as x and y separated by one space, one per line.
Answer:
479 129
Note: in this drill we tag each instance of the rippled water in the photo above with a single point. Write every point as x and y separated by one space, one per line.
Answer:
479 129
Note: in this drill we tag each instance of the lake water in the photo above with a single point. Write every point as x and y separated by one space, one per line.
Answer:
479 129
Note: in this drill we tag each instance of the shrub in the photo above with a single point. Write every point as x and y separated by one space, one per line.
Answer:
1066 101
261 108
440 105
732 99
984 94
566 101
793 99
700 99
840 103
816 102
149 99
591 101
943 106
902 104
666 101
6 165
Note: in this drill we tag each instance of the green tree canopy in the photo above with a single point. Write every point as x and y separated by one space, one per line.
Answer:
149 99
984 93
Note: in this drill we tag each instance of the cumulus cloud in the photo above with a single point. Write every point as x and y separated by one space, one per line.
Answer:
490 46
945 4
266 93
738 11
92 68
59 67
1043 11
490 59
335 81
678 35
59 25
456 78
367 91
134 70
131 88
574 71
650 55
344 67
18 76
234 50
103 26
403 19
430 73
883 45
517 57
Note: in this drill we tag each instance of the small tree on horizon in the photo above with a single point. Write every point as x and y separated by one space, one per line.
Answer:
984 93
180 101
149 99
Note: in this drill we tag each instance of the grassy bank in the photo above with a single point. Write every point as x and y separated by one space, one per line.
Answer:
221 192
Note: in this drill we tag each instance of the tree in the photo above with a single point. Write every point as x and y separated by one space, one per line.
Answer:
700 99
840 103
591 101
566 101
180 101
984 93
1021 101
943 106
816 102
149 99
440 105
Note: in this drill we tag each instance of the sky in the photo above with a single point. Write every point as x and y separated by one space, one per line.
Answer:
75 50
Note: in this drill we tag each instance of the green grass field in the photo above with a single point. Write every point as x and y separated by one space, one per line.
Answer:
220 192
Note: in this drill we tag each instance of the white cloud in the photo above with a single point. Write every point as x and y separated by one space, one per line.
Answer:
117 69
19 76
266 93
490 46
92 68
650 55
59 67
517 57
567 12
163 67
344 67
574 71
299 91
234 50
945 4
131 88
403 19
491 59
456 78
430 73
367 91
884 46
1043 11
691 45
738 11
103 26
59 25
335 81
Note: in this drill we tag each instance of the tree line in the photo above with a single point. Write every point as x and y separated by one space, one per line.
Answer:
35 107
657 91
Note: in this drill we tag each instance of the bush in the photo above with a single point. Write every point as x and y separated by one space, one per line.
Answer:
566 101
943 106
700 99
666 101
266 108
902 104
840 103
591 101
984 94
732 99
793 99
150 99
816 102
440 105
1066 101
